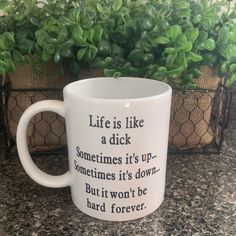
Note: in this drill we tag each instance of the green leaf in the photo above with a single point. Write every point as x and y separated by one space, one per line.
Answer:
182 44
10 66
6 66
162 40
209 59
80 54
182 60
136 57
222 35
18 57
18 17
50 49
187 78
183 13
68 44
173 32
182 4
197 19
157 76
77 33
231 80
151 69
109 72
231 36
67 53
90 53
26 45
104 48
148 58
176 72
8 40
128 69
202 37
117 74
80 41
65 49
207 23
232 68
162 25
62 35
98 32
170 60
5 55
225 67
4 4
21 34
150 10
108 61
170 50
117 4
194 57
145 23
46 56
66 21
188 47
160 74
3 66
162 70
89 35
228 51
209 45
52 41
57 57
87 22
195 72
34 21
41 35
76 15
116 50
191 34
100 8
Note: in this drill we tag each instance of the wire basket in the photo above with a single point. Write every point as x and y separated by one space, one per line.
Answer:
198 120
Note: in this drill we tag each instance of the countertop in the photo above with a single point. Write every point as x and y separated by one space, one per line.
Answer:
200 199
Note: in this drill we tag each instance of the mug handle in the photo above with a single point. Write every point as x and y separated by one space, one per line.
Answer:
21 139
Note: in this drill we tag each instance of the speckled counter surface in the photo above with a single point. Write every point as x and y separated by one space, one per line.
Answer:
200 199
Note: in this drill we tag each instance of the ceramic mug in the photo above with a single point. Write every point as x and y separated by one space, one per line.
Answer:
117 135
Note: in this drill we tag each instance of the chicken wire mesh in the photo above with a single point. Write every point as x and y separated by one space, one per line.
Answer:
197 123
198 120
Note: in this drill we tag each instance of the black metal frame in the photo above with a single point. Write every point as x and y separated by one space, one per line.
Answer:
9 143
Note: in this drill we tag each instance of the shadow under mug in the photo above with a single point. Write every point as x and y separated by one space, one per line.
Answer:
117 135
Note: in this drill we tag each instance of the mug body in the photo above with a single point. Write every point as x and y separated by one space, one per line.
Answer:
117 134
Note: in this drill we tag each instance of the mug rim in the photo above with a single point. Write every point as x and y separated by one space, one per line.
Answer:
67 91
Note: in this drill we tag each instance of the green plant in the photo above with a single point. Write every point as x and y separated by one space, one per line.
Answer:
30 32
16 32
171 40
56 30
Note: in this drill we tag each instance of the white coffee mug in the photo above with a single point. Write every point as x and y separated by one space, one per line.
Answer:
117 134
